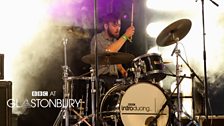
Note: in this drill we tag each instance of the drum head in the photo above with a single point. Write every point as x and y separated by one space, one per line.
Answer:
141 103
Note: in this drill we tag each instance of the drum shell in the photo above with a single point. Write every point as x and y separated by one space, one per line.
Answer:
144 97
150 67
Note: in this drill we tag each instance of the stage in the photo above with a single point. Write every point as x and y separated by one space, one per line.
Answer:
173 62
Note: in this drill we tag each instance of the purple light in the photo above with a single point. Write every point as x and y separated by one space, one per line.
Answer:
125 16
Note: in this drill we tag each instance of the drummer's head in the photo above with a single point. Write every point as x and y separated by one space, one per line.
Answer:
112 25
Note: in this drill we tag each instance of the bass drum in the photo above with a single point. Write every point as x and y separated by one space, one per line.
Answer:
134 105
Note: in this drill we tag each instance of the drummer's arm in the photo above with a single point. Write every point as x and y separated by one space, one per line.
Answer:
116 46
122 70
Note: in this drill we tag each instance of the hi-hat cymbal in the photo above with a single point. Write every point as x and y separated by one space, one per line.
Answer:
174 32
109 58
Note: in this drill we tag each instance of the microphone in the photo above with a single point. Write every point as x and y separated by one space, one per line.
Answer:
150 121
174 50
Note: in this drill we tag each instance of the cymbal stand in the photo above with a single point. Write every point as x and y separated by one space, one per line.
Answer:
193 74
179 109
93 96
87 99
177 51
67 94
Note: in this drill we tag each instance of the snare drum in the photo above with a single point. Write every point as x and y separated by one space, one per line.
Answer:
149 67
135 105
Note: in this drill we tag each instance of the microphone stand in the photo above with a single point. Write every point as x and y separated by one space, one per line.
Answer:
204 57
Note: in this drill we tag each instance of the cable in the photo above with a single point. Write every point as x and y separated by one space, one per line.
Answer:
185 52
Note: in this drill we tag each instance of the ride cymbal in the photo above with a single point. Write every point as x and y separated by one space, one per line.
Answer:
174 32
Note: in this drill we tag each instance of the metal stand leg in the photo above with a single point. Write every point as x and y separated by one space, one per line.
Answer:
193 75
93 95
115 120
67 94
177 51
192 120
87 99
58 119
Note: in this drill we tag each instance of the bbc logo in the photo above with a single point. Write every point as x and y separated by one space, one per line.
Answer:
39 93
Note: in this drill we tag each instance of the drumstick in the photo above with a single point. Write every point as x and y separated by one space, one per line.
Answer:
132 13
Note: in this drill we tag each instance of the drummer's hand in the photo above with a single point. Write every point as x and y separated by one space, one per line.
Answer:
124 73
121 69
130 31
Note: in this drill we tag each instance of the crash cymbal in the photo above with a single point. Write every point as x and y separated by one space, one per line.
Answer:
109 58
174 32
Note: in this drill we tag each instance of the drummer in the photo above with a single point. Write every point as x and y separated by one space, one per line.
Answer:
109 40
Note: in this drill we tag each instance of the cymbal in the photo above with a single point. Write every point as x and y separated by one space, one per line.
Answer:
174 32
109 58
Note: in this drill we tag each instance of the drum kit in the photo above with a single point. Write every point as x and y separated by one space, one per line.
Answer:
141 101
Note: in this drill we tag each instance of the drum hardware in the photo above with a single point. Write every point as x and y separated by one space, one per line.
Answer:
168 102
115 120
113 114
172 34
108 58
87 99
193 74
131 96
192 120
137 73
94 94
67 93
79 78
177 51
173 75
166 62
149 67
82 77
81 109
83 119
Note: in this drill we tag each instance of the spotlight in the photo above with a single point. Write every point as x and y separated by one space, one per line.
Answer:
125 16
